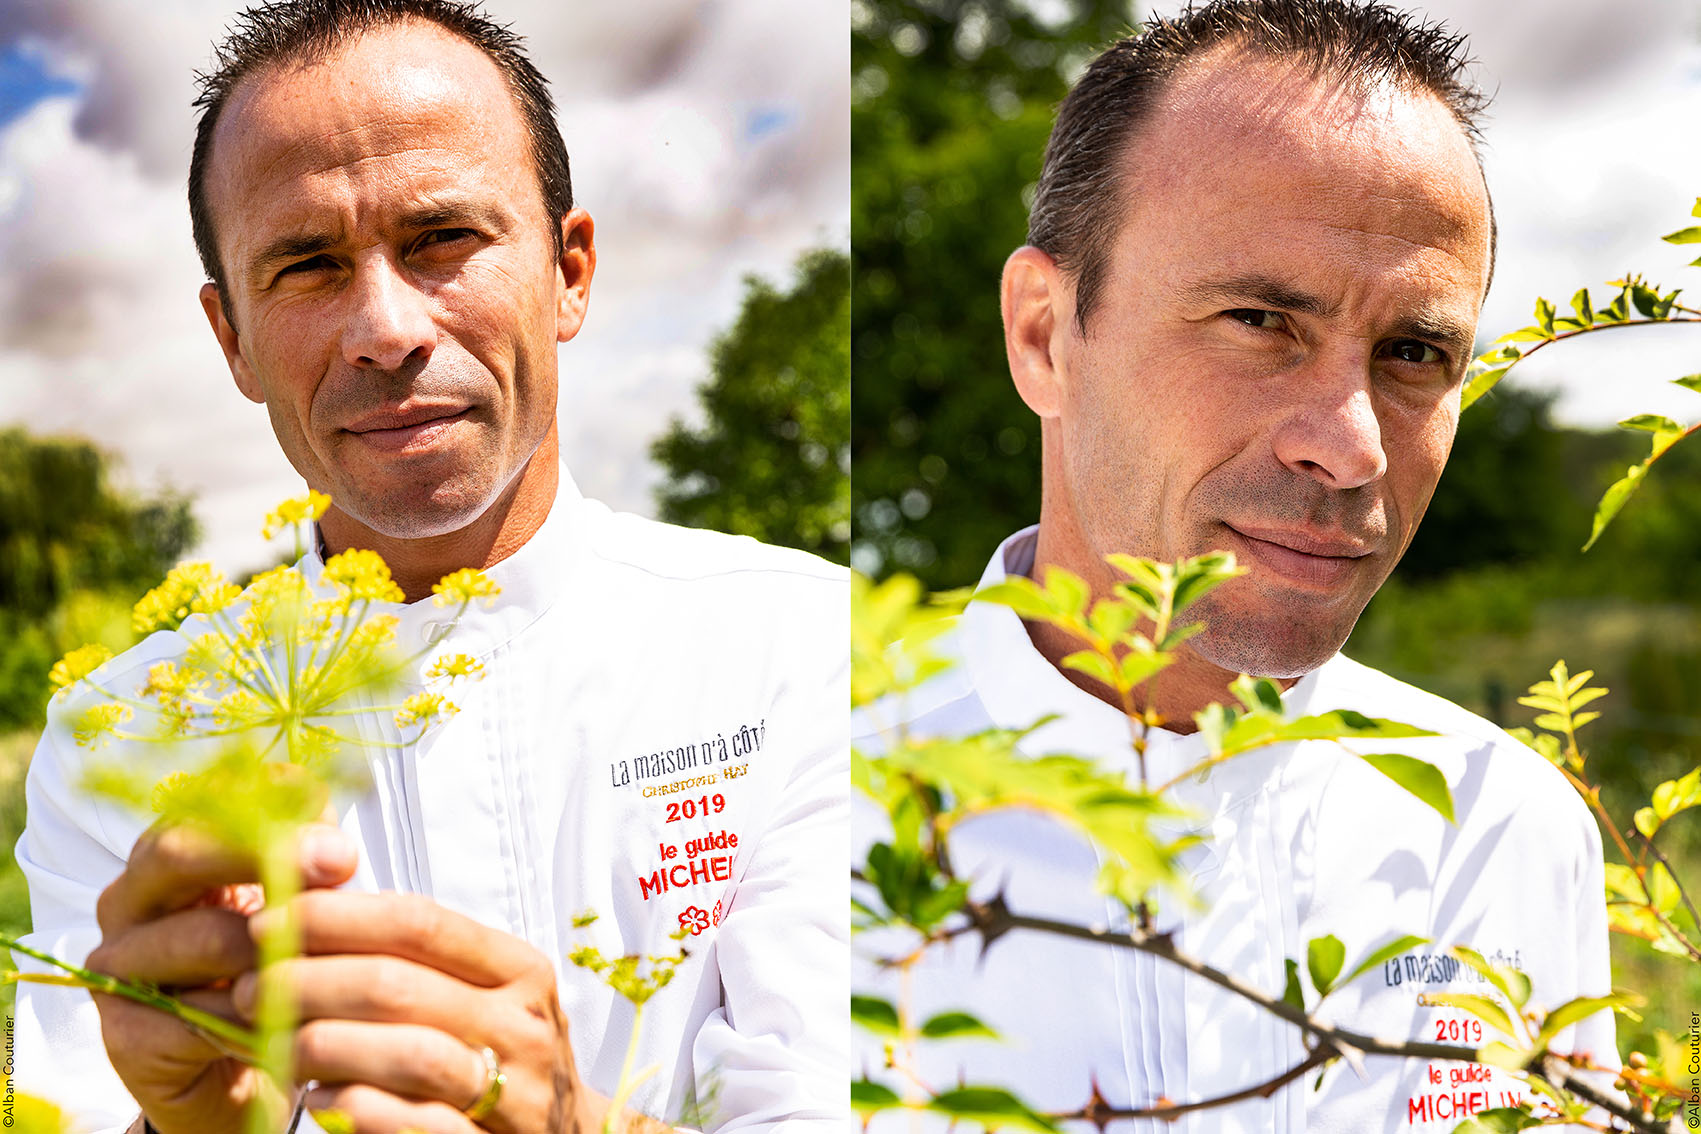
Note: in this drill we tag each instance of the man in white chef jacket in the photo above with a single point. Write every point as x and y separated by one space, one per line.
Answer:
381 199
1255 260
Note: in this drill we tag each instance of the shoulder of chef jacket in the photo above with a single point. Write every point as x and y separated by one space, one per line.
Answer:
660 738
1302 841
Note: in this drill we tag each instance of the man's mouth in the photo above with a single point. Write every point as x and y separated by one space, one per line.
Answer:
1318 559
407 427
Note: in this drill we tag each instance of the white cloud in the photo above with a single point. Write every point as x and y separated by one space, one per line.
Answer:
100 332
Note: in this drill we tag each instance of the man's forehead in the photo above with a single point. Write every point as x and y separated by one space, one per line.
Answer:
1245 138
367 97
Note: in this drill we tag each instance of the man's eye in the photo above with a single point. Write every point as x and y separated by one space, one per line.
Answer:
312 264
1253 317
1411 350
444 236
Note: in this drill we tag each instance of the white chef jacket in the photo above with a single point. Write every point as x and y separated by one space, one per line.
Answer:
1303 840
650 690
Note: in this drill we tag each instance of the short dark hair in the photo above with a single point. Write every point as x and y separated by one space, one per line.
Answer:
280 32
1074 217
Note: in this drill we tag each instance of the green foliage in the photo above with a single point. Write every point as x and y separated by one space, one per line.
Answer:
951 107
772 459
70 545
992 1107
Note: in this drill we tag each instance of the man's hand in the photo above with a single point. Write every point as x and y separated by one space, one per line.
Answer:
398 997
176 917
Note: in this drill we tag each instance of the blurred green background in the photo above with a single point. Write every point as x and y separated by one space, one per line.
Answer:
952 103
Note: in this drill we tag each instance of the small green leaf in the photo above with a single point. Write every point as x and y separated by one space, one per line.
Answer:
1094 665
1489 1011
1647 821
1647 300
1137 667
1292 994
1419 777
1068 592
1502 1055
1525 335
1581 1008
1511 983
991 1106
1500 1120
1585 311
868 1096
1622 882
1019 594
1662 889
1478 384
956 1025
1690 235
1544 316
1613 500
1690 381
874 1014
1111 619
1324 957
1386 953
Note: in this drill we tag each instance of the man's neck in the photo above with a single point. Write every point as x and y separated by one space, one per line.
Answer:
498 533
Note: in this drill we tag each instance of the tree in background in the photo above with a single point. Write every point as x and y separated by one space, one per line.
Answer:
772 459
952 102
74 551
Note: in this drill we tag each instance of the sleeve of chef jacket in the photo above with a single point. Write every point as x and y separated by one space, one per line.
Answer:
67 859
778 1049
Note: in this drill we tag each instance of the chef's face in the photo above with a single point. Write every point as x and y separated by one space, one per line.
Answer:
394 283
1273 365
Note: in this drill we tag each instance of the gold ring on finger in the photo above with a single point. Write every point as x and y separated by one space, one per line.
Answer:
479 1109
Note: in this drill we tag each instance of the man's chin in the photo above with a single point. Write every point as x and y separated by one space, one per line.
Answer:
420 512
1281 646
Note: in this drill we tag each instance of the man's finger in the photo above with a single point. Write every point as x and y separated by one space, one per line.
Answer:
409 1060
408 926
173 866
128 1026
372 1111
195 946
375 988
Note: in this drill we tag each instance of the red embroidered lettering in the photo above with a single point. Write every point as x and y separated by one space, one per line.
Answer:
699 870
1418 1109
673 875
722 864
655 884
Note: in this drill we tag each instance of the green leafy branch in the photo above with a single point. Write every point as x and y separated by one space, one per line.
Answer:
1642 892
1549 327
930 785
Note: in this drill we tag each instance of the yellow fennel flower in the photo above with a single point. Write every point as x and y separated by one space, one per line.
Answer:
464 586
76 665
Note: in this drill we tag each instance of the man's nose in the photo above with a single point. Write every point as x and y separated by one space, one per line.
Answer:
389 320
1332 432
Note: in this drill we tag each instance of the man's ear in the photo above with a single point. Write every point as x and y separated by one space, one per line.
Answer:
1038 307
225 333
573 274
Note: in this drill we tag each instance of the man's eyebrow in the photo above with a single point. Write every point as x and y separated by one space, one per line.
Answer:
293 246
439 214
1438 328
1266 291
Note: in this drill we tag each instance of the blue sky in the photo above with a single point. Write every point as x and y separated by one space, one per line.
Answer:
25 80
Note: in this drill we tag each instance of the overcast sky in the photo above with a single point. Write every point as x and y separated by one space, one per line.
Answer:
708 139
